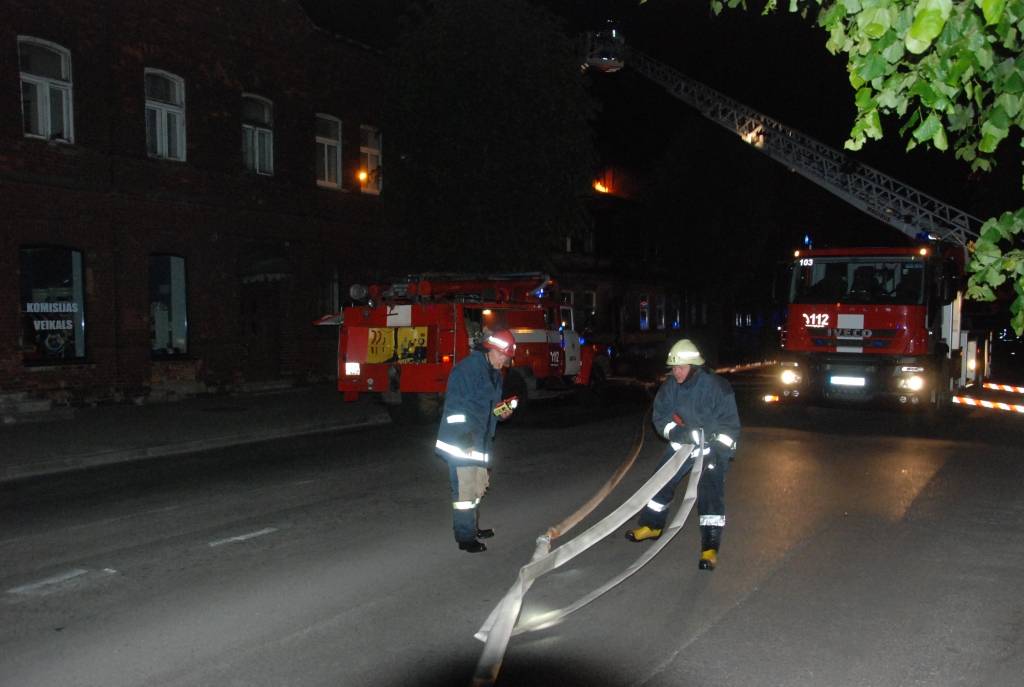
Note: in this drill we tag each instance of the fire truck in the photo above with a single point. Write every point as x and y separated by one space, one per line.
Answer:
861 323
399 340
877 324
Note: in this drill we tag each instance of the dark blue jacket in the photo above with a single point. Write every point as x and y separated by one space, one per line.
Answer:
703 400
468 420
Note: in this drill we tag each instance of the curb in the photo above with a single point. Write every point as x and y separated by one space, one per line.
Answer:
9 473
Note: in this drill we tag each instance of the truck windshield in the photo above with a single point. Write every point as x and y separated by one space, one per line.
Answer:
893 281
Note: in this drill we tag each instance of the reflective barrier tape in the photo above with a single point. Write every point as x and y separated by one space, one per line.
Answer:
1004 387
741 368
992 405
454 419
501 623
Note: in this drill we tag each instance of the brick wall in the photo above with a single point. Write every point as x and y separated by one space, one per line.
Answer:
259 251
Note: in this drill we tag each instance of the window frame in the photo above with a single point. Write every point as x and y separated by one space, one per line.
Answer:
374 182
186 320
78 313
43 85
162 109
259 131
322 145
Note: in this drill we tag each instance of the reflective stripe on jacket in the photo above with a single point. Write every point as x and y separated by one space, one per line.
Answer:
468 421
703 400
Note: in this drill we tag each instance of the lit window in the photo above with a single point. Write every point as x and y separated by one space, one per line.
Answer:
371 178
165 115
328 151
167 306
258 134
52 305
45 89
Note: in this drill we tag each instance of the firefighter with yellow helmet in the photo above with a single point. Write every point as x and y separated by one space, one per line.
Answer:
694 406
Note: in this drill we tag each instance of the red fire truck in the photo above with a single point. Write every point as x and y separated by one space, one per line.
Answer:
401 339
877 323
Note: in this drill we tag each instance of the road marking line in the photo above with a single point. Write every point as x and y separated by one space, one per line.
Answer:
244 537
41 585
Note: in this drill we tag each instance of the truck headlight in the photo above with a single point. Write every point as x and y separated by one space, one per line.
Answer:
789 377
352 369
912 383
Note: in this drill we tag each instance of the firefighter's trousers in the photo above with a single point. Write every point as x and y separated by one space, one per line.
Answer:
710 495
468 484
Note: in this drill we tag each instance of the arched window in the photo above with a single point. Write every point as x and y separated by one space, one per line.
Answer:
165 115
46 102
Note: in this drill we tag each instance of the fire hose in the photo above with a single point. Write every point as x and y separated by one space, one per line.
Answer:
502 623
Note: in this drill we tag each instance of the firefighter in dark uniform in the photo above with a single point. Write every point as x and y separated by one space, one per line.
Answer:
694 406
472 409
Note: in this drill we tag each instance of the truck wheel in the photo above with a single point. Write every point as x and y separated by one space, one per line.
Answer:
416 409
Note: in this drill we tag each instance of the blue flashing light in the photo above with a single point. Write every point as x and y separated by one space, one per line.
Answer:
807 241
582 341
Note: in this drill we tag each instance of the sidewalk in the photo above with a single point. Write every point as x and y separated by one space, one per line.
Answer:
104 435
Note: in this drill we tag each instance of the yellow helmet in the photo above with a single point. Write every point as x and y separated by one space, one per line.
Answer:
683 352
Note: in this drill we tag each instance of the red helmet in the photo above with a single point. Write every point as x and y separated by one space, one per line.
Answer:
501 341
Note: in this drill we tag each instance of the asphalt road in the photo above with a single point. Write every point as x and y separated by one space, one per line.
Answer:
863 548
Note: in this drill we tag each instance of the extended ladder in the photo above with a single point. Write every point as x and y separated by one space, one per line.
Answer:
890 201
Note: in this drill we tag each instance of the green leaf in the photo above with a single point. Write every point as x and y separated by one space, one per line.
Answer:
874 66
992 10
991 136
929 19
874 22
927 129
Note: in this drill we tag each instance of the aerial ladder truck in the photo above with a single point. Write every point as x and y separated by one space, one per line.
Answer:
861 323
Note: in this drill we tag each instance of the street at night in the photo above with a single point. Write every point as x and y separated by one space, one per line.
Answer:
863 547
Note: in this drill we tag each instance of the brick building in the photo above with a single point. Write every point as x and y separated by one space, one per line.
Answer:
183 187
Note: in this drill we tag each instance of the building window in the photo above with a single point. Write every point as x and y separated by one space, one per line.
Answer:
328 151
675 311
645 312
258 134
45 89
659 311
568 297
168 311
370 173
165 115
52 305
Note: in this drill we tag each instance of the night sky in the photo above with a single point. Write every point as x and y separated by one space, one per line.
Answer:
776 64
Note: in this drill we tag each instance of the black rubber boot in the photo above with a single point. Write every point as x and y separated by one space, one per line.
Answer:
710 542
472 546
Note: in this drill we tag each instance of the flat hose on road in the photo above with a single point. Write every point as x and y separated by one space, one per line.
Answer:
501 624
587 508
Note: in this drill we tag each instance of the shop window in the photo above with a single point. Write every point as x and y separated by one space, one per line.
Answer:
52 305
328 151
258 134
165 115
46 103
371 178
168 300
